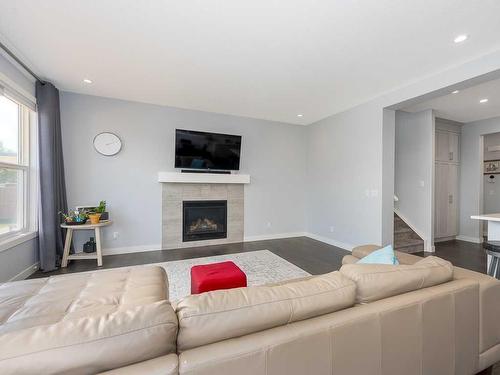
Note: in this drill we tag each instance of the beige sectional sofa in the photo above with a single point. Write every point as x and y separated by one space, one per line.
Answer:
423 317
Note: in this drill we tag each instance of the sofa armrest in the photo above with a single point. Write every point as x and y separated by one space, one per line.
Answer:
349 259
363 250
489 310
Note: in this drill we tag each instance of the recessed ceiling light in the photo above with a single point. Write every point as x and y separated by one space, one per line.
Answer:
299 115
461 38
88 81
455 92
483 100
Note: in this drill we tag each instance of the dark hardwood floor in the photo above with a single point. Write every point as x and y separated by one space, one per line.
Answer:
461 254
312 256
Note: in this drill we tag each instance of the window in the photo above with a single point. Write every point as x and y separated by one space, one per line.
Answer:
16 216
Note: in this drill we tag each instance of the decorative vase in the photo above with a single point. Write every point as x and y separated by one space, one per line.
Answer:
94 218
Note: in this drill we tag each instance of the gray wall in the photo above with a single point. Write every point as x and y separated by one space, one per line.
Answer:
471 174
19 258
272 153
345 177
414 174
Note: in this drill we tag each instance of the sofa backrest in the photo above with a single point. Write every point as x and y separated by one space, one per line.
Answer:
377 281
428 331
223 314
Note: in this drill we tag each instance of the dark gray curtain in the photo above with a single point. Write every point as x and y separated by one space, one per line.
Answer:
52 185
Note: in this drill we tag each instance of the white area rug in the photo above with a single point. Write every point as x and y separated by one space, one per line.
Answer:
261 267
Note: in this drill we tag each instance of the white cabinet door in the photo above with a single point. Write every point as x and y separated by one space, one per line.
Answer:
454 147
452 224
446 184
447 146
441 201
446 200
442 146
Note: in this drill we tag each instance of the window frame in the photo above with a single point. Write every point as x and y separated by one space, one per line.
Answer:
27 164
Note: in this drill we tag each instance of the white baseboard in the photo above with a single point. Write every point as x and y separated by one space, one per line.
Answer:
153 247
444 239
330 241
131 249
273 236
24 274
469 239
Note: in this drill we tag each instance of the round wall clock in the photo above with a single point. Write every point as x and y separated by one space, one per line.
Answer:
107 144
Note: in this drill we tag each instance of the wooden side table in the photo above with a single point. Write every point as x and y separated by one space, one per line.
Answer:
69 236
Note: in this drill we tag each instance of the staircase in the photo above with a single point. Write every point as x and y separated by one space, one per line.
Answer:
405 238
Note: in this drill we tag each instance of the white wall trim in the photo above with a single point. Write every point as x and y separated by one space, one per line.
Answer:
203 178
11 241
264 237
14 86
331 241
444 239
469 239
427 245
24 274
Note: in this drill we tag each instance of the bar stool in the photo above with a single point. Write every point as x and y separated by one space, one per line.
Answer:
492 249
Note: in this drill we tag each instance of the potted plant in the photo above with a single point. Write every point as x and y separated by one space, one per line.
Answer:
75 217
98 211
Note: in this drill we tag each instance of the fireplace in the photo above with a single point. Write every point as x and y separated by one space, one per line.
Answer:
204 220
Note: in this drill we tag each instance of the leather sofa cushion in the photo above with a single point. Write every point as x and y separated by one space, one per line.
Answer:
378 281
89 322
214 316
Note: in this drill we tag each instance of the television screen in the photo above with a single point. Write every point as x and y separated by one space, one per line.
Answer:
200 150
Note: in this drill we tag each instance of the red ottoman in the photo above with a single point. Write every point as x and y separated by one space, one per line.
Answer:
224 275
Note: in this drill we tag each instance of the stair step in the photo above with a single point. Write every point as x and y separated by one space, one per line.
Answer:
408 242
405 239
411 249
409 246
406 236
405 229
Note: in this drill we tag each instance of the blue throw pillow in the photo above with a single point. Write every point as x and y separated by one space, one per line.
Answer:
382 256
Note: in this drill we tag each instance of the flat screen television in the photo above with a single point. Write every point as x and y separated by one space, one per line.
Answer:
207 151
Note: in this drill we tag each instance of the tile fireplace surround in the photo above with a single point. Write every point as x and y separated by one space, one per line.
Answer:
174 193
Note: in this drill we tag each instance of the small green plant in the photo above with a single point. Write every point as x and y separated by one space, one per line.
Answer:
101 208
75 216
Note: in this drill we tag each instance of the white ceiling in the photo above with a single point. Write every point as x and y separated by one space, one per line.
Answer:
465 106
266 59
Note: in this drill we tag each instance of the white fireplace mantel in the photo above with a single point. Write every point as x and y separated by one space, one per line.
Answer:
203 178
